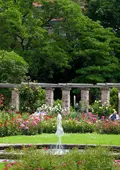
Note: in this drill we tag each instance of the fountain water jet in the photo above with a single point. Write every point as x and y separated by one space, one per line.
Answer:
59 133
59 150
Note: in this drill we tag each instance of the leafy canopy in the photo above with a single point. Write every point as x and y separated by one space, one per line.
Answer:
58 41
13 68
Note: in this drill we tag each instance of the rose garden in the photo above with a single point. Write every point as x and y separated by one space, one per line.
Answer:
85 125
59 85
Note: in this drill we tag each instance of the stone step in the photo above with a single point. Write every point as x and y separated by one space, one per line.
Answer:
49 146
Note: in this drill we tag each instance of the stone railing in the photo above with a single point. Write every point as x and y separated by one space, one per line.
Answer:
65 87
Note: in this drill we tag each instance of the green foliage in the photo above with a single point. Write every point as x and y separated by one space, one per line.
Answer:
76 44
12 124
89 45
7 97
13 68
114 98
29 126
95 94
53 111
108 127
58 101
73 115
31 97
48 126
24 29
1 101
1 165
101 110
8 125
91 159
74 126
107 12
82 107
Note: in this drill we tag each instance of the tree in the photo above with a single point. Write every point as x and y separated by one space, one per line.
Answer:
77 47
23 31
89 45
107 12
13 68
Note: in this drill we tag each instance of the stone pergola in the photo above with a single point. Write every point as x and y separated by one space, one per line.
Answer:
65 87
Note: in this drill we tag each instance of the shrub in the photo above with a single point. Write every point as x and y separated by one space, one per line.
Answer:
57 108
83 106
13 68
31 98
29 126
8 124
73 115
91 159
48 125
1 101
114 97
109 127
56 102
75 126
6 94
101 110
13 124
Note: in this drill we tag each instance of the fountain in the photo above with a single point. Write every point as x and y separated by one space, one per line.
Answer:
59 133
59 150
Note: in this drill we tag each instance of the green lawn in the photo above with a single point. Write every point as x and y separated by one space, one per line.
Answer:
1 166
100 139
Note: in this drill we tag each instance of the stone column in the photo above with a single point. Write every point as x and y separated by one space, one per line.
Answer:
119 101
66 99
49 96
85 99
15 101
105 96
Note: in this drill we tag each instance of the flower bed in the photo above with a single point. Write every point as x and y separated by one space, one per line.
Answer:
108 127
16 124
13 124
91 159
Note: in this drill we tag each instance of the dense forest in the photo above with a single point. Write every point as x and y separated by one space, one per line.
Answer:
60 41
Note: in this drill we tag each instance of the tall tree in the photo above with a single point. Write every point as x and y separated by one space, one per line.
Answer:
53 35
23 31
89 45
13 68
108 12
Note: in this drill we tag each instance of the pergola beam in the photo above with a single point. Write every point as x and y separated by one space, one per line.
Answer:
62 85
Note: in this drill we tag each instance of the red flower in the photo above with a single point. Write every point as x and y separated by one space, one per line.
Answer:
48 117
46 148
30 145
117 160
13 118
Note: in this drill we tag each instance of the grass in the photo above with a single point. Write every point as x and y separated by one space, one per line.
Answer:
99 139
1 165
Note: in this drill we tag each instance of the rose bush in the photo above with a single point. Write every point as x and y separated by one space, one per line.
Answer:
91 159
16 124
